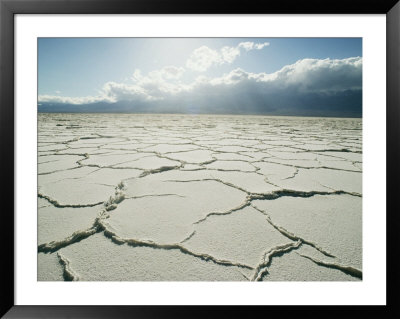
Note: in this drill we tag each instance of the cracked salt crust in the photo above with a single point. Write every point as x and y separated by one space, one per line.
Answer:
193 157
321 180
98 259
110 176
65 174
50 218
170 148
49 268
231 156
113 159
333 221
242 236
148 162
250 182
58 165
343 165
75 192
180 197
294 267
51 147
276 171
170 217
232 166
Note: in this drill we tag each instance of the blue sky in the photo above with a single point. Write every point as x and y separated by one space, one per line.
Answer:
147 71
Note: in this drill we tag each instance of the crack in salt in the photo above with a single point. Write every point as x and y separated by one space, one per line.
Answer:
262 269
153 195
76 237
294 174
68 273
292 236
148 243
230 211
159 170
188 237
79 235
58 205
348 270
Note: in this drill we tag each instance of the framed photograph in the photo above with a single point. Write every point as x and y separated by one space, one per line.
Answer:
166 154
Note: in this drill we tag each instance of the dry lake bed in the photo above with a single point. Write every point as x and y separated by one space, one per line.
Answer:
128 197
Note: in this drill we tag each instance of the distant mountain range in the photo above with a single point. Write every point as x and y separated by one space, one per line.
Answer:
342 104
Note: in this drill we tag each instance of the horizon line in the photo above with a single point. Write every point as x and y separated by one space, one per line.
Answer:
213 114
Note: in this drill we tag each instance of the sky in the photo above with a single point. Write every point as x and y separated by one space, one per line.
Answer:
276 76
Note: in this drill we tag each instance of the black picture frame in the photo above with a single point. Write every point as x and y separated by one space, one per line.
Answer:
8 8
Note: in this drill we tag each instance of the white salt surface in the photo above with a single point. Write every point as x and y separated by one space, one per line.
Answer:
49 268
72 219
98 258
233 165
331 221
74 192
59 164
194 157
165 211
243 236
293 267
209 198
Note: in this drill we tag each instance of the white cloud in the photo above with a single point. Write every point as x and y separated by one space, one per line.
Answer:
229 54
114 92
203 58
312 75
72 100
172 72
259 46
252 46
166 73
246 45
159 82
152 87
305 82
304 76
